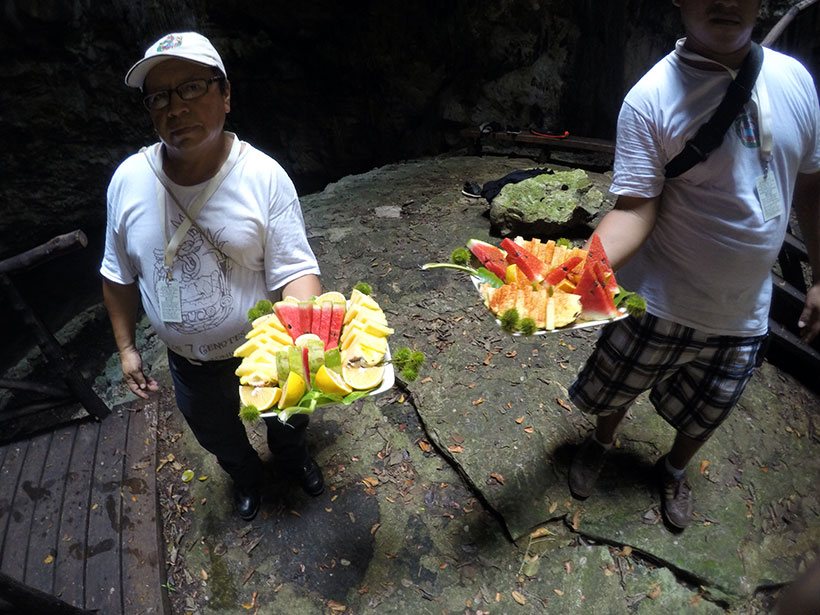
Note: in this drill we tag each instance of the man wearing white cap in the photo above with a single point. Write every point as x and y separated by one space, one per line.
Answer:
200 227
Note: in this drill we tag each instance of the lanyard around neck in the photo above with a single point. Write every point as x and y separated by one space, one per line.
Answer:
760 97
164 190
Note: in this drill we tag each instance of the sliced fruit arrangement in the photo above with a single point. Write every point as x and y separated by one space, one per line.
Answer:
302 354
546 285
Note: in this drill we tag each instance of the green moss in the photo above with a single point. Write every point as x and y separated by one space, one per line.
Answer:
527 326
555 195
509 320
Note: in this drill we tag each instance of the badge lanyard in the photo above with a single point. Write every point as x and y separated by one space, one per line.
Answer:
169 294
164 190
766 186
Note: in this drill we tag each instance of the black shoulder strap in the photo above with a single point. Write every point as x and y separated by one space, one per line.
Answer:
710 135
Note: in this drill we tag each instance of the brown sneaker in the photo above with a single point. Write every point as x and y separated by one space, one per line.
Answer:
676 497
585 467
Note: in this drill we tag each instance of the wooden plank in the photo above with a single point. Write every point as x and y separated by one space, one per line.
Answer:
787 302
143 561
69 572
794 244
18 529
9 483
791 257
790 354
103 580
41 561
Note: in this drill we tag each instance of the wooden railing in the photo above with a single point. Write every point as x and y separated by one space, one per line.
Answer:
70 385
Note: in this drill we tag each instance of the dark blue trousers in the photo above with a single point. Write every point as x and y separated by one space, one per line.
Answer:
207 394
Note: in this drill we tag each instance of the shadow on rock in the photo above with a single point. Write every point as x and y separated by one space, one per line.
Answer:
623 471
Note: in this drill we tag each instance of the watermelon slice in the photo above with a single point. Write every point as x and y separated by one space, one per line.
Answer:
490 257
532 266
326 310
290 316
597 255
316 318
596 301
306 365
560 272
306 315
337 318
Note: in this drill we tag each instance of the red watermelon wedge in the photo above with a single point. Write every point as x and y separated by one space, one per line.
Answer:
597 255
490 257
337 318
596 301
306 365
290 316
532 266
306 315
315 320
325 314
560 272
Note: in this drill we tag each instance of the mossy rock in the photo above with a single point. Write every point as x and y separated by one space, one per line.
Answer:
551 204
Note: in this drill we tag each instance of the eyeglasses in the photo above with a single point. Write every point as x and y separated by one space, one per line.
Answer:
189 90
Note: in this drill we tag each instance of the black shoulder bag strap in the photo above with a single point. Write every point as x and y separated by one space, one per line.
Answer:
710 135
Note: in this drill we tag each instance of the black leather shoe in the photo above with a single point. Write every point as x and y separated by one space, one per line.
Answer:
311 479
246 502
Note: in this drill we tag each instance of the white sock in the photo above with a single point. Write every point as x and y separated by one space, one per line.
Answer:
678 474
605 445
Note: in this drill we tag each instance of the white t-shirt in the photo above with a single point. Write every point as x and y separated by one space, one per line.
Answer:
254 243
707 262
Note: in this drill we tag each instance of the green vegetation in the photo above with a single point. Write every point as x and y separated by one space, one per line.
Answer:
461 256
527 326
509 320
408 362
262 307
249 414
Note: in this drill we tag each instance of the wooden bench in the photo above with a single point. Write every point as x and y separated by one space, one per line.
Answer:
570 143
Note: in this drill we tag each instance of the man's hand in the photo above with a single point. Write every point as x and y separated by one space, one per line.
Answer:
134 377
809 322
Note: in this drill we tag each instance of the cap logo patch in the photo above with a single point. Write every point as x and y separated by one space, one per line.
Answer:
169 42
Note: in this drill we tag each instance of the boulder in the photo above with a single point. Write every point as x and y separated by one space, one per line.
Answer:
552 204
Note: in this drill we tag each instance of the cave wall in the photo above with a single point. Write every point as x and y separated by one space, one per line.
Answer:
327 88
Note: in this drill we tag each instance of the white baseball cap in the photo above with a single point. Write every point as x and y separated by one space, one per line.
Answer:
185 45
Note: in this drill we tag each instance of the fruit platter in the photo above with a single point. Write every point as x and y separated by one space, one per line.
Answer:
534 287
301 355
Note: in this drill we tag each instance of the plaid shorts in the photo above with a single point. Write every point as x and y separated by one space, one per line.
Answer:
694 379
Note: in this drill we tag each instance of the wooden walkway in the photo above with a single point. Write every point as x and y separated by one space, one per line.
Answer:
79 514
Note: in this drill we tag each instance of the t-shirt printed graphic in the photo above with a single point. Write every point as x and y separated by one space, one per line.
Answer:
204 274
746 128
247 243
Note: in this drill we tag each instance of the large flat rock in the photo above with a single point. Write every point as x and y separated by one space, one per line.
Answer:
496 406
